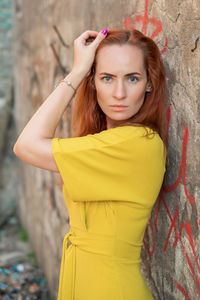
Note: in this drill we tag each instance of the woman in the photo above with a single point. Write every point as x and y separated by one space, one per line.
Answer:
112 168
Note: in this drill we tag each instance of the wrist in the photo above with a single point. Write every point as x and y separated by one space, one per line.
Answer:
75 77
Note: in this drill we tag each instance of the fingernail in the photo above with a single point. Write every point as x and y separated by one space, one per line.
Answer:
104 31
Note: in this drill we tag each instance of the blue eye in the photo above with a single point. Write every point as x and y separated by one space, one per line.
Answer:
134 78
106 77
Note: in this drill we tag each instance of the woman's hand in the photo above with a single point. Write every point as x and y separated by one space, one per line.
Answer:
84 53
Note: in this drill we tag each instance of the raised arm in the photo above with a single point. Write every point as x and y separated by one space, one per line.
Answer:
33 145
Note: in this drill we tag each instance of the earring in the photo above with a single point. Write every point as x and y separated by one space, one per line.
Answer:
149 88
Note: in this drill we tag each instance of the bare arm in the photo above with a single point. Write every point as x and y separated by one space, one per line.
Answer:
33 146
34 143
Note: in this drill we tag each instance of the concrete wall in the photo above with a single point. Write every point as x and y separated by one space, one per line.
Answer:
8 168
6 68
171 262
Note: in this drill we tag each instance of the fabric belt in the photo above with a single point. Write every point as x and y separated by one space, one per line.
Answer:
99 244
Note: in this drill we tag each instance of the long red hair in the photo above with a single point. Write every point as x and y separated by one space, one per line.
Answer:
87 116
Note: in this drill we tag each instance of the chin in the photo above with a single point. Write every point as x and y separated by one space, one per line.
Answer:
118 118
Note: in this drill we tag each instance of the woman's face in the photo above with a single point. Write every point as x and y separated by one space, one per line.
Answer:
120 79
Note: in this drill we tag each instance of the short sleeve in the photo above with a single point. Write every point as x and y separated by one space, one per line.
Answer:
109 165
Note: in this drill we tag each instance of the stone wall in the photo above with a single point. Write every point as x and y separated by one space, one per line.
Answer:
171 262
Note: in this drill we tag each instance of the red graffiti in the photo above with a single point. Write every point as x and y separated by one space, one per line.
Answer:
144 20
173 220
173 227
151 252
188 228
182 171
178 235
182 290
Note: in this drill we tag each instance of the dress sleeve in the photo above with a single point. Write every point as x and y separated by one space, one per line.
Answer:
106 166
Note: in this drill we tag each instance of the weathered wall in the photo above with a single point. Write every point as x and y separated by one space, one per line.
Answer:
171 262
6 67
8 169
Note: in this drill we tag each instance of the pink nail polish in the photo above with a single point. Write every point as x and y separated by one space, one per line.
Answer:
104 31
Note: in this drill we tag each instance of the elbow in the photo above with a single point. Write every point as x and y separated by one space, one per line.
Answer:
19 146
20 151
15 150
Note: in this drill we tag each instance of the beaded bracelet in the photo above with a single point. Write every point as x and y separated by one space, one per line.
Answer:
67 82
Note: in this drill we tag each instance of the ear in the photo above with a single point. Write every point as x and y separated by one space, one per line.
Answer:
148 87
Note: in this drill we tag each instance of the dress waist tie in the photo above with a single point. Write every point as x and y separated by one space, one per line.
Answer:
99 244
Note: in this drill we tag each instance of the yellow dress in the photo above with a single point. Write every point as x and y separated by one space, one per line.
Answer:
111 182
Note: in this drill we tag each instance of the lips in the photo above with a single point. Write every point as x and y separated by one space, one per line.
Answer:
119 105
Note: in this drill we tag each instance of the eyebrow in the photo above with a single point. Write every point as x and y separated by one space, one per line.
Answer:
133 73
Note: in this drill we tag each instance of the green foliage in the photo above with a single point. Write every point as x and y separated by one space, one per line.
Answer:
32 257
23 234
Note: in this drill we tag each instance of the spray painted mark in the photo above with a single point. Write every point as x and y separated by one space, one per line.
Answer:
173 220
182 171
181 289
145 20
173 228
196 42
151 252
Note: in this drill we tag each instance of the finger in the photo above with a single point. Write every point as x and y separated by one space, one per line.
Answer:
99 38
87 34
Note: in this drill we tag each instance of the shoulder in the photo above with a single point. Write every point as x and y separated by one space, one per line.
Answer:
108 138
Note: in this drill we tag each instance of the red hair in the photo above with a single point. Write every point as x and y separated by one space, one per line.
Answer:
87 116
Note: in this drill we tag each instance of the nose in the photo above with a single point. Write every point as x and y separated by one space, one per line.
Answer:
119 90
